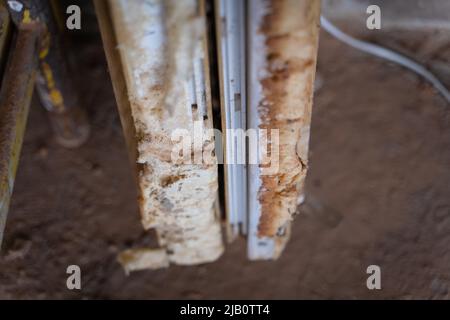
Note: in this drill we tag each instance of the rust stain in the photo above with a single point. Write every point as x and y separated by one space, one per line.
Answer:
279 192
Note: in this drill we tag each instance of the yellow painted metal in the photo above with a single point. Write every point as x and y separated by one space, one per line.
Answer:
15 99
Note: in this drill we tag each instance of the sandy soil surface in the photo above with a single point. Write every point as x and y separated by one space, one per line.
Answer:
379 180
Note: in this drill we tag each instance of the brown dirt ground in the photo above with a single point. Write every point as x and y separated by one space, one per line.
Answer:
379 172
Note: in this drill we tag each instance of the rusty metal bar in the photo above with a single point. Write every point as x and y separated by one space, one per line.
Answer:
15 98
5 35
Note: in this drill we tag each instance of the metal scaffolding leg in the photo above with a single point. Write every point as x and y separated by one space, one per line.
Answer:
37 59
55 81
15 98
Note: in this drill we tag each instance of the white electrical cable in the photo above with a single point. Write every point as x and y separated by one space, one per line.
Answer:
385 54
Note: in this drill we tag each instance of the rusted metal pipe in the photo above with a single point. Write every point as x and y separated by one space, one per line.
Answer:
15 98
5 35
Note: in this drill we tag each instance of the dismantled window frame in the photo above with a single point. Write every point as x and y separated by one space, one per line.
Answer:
249 36
231 35
245 30
237 26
